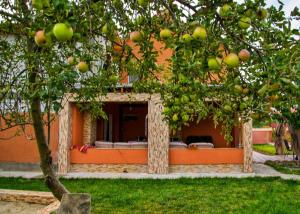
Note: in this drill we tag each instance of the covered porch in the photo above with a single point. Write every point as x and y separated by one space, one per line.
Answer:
135 138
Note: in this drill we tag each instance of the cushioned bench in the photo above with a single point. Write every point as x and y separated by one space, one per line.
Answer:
177 144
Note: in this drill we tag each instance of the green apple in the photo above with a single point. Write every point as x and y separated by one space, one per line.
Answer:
62 32
232 60
243 106
143 3
238 89
105 29
244 22
185 118
214 63
200 33
165 33
46 3
136 36
175 117
186 38
185 99
249 13
262 13
225 10
82 67
244 55
227 108
37 4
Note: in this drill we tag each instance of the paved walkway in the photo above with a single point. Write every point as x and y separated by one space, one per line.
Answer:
262 158
260 170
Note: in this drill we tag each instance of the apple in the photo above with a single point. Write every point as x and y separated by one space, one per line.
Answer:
82 67
227 108
40 38
274 86
187 38
71 60
185 118
167 110
200 33
175 117
225 10
262 13
135 36
245 90
274 97
244 55
165 33
105 29
232 60
62 32
214 63
143 3
244 22
249 13
46 3
139 20
243 106
185 99
238 89
37 4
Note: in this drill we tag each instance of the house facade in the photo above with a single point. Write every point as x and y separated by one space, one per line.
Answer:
134 138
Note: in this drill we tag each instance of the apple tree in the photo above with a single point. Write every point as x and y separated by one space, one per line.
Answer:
228 59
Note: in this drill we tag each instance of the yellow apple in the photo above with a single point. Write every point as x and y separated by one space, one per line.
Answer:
200 33
232 60
82 67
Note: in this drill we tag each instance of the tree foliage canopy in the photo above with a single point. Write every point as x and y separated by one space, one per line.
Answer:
198 82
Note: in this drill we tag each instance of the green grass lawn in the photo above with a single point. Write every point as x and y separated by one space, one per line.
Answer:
264 148
205 195
287 167
267 149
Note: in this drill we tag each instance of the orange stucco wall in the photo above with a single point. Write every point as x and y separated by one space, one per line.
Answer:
20 149
206 127
164 54
262 136
110 156
77 125
206 156
176 156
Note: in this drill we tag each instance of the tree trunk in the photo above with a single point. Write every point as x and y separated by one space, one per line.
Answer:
279 134
295 134
51 179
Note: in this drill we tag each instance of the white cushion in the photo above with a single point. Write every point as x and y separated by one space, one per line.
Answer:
103 144
121 145
202 145
138 144
177 144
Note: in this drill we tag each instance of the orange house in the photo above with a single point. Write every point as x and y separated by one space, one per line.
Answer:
134 138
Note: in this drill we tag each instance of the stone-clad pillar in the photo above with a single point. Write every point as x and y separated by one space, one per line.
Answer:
89 128
247 144
65 131
158 137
